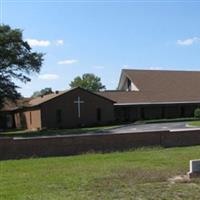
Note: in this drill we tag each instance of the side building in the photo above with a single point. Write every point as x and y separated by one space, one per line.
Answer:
73 108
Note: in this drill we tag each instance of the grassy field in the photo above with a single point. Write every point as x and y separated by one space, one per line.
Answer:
137 174
28 133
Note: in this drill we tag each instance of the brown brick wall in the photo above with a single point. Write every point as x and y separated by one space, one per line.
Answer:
69 113
30 119
33 119
17 120
77 144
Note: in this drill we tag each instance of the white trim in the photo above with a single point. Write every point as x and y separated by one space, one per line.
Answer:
123 83
133 87
184 129
154 103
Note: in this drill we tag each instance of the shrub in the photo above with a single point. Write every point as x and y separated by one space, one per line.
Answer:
197 113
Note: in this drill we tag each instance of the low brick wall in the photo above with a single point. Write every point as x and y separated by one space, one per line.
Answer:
180 138
15 148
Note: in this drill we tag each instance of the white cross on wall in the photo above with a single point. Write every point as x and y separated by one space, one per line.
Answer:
78 102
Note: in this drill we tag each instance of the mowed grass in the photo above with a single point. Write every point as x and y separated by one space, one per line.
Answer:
136 174
195 123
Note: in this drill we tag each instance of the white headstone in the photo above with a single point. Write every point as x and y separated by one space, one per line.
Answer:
194 166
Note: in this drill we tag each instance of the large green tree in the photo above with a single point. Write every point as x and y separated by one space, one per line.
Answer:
17 62
88 82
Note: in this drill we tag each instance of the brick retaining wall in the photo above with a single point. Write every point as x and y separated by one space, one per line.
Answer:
15 148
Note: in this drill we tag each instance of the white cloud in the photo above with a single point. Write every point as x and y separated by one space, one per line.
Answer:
48 77
67 62
188 41
98 67
155 68
59 42
39 43
44 43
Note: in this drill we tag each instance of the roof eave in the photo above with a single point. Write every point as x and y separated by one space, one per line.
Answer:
155 103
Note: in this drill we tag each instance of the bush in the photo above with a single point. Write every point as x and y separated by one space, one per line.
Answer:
197 113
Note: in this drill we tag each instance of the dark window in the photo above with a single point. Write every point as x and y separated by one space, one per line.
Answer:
98 114
163 112
142 113
126 114
59 116
30 118
129 84
182 111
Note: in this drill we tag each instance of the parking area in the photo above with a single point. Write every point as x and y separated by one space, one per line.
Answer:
130 128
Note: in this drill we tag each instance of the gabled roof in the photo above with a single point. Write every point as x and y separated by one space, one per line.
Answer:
32 102
163 80
40 100
159 86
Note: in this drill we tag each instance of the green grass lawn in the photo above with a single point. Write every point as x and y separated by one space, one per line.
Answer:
137 174
195 123
28 133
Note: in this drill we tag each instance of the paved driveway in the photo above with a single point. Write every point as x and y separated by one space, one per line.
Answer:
151 127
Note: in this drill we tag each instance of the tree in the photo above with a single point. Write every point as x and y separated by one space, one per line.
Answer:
88 82
197 113
17 62
42 92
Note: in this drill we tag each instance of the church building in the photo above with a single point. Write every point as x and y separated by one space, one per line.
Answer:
140 95
155 94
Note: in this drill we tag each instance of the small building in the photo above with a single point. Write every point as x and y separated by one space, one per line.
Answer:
73 108
141 95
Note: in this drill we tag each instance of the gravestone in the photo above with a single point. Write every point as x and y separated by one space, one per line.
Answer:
194 169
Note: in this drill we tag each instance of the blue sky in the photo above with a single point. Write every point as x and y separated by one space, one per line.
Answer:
103 37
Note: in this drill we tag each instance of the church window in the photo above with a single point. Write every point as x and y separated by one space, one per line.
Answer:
99 114
59 116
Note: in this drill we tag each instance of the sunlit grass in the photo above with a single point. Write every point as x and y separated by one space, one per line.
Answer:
195 123
134 174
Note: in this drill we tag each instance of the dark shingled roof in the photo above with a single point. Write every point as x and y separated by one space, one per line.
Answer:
45 98
10 105
41 99
31 102
158 86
